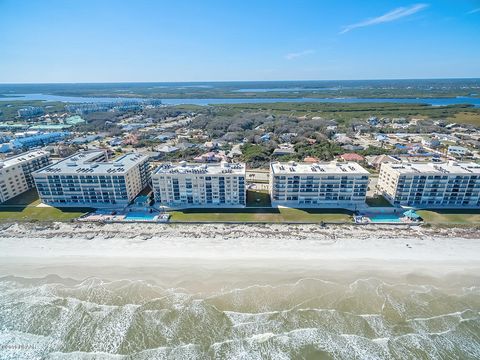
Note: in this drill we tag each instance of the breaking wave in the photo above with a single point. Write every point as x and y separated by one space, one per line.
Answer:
61 318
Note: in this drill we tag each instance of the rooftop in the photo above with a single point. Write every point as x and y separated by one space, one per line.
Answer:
318 168
86 162
18 159
352 157
216 168
450 167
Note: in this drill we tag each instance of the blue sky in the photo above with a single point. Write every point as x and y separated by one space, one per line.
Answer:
146 40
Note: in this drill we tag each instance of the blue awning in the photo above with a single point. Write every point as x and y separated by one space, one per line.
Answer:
411 214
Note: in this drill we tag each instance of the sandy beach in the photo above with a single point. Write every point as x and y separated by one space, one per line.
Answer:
332 247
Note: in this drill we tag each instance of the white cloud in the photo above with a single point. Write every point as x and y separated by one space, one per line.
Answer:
295 55
388 17
474 11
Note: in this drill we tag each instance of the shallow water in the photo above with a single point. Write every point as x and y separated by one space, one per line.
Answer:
204 313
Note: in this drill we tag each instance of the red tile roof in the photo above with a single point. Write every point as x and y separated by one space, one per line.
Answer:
352 157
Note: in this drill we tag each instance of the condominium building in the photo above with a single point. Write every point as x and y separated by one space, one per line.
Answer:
87 179
431 185
16 173
195 185
334 184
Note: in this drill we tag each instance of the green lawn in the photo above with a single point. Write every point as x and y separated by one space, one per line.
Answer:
262 215
453 216
24 208
32 213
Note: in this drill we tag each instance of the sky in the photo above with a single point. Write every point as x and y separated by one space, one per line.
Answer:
213 40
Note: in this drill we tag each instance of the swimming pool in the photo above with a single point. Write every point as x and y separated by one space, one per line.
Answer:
384 218
140 216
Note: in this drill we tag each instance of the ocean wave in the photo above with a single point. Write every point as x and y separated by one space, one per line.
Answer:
311 318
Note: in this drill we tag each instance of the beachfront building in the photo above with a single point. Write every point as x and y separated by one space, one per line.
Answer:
88 179
319 185
16 173
431 185
199 185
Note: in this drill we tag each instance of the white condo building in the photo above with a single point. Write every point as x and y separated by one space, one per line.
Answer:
87 179
199 185
320 185
16 172
431 185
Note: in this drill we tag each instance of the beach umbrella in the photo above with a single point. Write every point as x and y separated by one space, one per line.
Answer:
411 214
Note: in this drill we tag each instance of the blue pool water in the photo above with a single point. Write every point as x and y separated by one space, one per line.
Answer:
384 218
140 216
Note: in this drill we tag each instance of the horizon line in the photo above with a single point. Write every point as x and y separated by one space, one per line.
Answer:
232 81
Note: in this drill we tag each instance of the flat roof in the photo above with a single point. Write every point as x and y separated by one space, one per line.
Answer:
18 159
451 167
333 167
193 168
83 163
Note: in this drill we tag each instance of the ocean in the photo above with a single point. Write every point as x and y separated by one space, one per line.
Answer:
280 318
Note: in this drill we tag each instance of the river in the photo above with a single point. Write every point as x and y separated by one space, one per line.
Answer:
213 101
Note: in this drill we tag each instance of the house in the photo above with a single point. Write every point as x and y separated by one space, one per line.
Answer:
373 120
165 136
130 139
352 157
74 120
431 142
209 157
85 139
473 143
287 137
342 139
381 137
115 142
131 127
212 145
311 159
377 160
26 140
265 137
167 149
458 151
284 149
185 145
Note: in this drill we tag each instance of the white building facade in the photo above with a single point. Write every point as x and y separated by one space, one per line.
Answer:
431 185
200 185
87 179
16 173
319 185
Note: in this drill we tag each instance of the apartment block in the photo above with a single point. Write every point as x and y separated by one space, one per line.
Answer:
88 179
200 185
320 185
431 185
16 172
